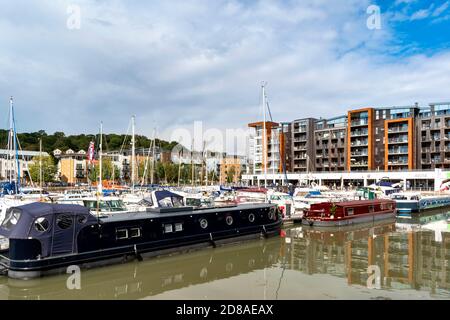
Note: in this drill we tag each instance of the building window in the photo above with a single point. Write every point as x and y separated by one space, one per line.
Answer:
384 114
376 130
377 115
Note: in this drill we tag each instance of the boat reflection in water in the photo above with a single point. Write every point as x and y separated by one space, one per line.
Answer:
411 254
137 280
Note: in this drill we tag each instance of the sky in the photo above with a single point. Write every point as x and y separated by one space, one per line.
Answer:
71 64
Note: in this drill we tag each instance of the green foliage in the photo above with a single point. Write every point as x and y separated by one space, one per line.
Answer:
49 169
108 168
58 140
230 174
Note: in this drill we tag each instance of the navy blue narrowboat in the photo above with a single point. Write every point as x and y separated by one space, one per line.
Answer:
46 238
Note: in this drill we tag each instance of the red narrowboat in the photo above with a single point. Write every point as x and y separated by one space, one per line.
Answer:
349 212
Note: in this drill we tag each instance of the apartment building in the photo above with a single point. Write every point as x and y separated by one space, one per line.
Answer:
25 159
399 139
433 138
330 144
72 166
230 169
302 145
382 139
268 147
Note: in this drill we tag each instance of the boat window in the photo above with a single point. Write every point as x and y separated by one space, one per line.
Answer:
116 205
146 202
350 211
41 224
135 232
121 234
168 228
229 220
271 214
251 217
193 202
82 219
178 227
371 209
64 221
11 219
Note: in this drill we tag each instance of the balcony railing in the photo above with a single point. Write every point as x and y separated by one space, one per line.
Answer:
360 164
359 153
359 122
398 163
359 133
398 129
398 140
360 143
398 151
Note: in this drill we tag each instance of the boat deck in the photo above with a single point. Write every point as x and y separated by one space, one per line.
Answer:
174 212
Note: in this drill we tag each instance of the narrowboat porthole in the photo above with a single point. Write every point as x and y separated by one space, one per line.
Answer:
271 215
203 223
229 220
251 217
178 227
64 221
41 224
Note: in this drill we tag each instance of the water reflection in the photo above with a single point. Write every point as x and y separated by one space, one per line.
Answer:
411 253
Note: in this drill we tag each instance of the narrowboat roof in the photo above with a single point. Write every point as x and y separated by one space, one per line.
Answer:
362 202
38 209
173 212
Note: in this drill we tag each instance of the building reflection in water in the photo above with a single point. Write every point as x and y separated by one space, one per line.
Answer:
411 254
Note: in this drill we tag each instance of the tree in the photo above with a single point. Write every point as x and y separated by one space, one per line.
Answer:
49 169
107 171
230 174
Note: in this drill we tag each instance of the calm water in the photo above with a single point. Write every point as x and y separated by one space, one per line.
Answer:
412 255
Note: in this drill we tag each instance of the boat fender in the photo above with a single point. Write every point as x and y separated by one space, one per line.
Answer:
265 231
212 240
137 254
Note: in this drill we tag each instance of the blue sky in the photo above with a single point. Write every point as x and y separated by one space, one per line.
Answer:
175 62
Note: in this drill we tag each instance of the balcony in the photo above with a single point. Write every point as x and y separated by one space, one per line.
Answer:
359 133
400 161
360 153
301 139
396 129
359 122
398 151
362 143
403 139
360 164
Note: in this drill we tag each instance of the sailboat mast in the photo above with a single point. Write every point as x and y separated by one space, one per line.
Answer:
153 157
10 141
100 177
133 154
40 164
264 142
